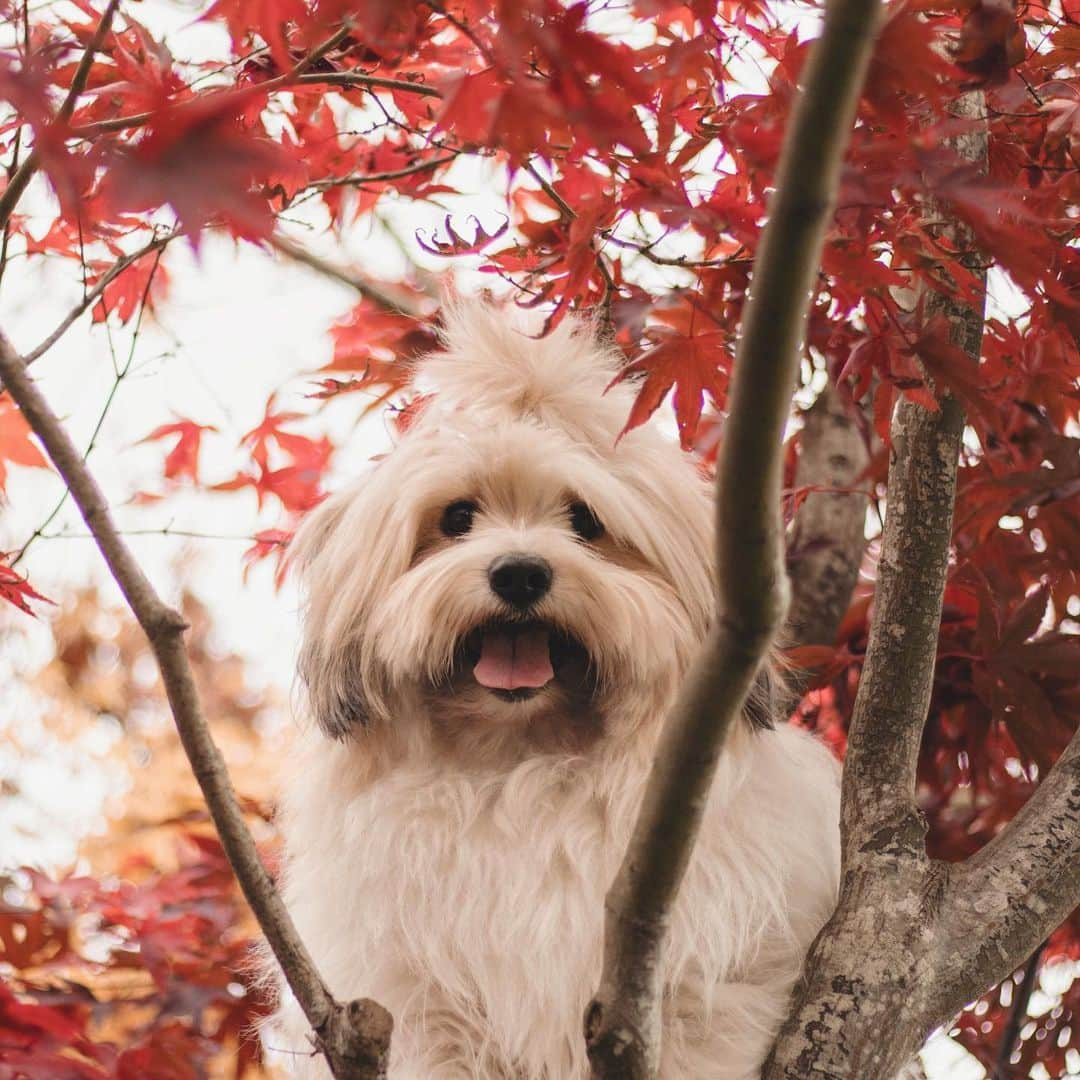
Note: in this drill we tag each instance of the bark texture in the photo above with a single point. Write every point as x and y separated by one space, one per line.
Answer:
827 539
828 536
912 940
354 1037
622 1023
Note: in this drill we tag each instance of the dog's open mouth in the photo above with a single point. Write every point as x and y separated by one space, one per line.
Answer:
515 660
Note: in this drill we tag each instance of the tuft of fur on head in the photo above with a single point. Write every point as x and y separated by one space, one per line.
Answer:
524 429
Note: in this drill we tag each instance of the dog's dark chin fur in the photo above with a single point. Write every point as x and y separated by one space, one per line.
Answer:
481 724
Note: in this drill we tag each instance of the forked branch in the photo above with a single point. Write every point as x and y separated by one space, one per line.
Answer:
355 1037
913 940
623 1020
1018 888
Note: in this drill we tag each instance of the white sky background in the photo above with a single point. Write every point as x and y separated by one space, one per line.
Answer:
237 325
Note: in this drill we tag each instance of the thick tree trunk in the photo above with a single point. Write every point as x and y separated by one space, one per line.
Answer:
872 990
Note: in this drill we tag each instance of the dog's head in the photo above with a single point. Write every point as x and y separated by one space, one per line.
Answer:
512 569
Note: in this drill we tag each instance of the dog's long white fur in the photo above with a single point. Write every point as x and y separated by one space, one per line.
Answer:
450 858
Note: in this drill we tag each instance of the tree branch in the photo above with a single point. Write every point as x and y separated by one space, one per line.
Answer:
355 1037
828 538
381 295
1017 889
106 279
682 262
623 1020
894 690
299 75
11 195
356 79
359 179
879 959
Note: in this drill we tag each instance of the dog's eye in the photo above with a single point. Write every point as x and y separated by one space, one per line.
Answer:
584 522
457 518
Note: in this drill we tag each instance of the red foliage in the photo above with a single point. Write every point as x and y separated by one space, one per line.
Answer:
15 589
16 447
188 992
183 458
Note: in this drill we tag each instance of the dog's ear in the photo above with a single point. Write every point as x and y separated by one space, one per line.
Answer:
328 665
335 695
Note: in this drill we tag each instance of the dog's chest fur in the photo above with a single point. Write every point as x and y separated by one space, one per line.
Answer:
472 906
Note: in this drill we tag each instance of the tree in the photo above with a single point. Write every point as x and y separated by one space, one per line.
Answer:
639 150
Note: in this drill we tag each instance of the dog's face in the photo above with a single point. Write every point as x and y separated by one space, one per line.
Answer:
508 578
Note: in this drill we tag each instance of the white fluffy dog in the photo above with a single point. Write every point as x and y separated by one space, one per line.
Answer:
498 617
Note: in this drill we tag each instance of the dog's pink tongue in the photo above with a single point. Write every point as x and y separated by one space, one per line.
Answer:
515 659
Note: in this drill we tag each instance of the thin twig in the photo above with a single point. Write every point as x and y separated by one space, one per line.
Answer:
296 72
623 1020
1018 1016
11 170
362 285
164 530
106 279
463 28
119 374
350 79
355 1038
17 185
682 262
298 75
569 214
359 179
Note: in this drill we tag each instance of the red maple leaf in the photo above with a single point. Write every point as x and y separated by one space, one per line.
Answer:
1065 110
378 343
269 542
269 19
15 444
204 158
183 458
297 483
15 589
957 372
991 42
696 366
488 109
143 281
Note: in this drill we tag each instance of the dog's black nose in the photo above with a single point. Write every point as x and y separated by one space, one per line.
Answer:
520 580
